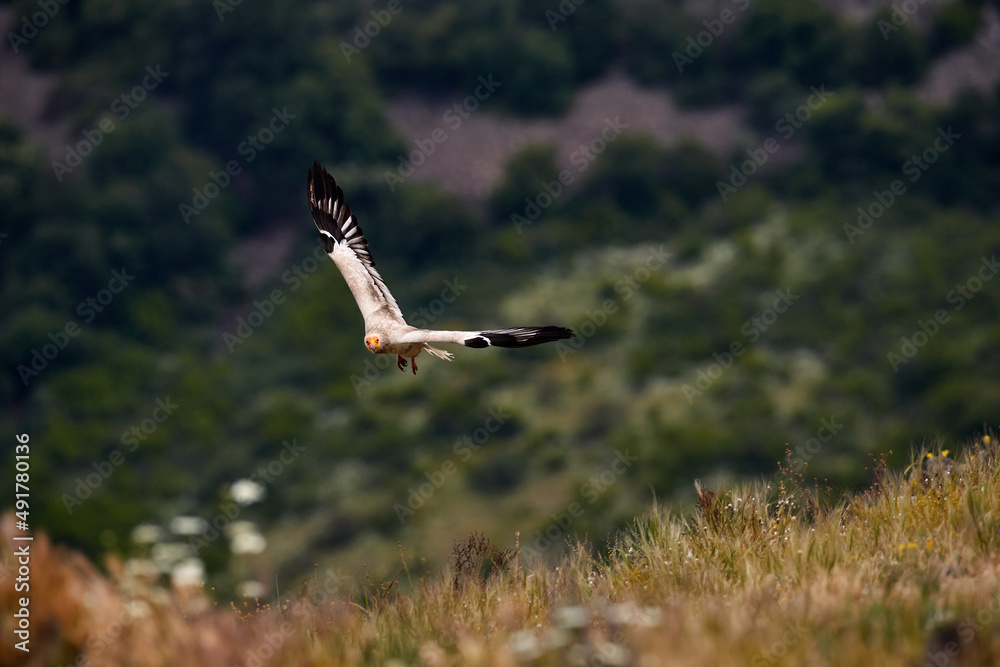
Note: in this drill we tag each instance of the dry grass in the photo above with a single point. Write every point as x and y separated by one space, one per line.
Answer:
907 573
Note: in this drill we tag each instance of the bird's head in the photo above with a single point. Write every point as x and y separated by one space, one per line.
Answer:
372 343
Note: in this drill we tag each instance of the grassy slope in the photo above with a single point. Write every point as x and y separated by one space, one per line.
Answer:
906 573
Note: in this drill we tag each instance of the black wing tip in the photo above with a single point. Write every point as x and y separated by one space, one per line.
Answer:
319 177
328 218
520 337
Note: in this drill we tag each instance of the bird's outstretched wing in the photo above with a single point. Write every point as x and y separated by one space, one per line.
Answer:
345 243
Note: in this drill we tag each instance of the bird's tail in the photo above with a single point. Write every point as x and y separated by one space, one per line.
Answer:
518 337
440 354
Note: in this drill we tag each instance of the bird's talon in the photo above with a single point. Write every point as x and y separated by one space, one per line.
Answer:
401 362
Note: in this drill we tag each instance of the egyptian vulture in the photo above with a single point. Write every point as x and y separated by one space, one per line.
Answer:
386 332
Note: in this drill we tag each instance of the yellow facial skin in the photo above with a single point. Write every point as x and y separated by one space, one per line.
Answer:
372 343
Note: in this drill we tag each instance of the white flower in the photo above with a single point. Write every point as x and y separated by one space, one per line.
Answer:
247 492
244 538
251 589
167 555
571 617
248 543
524 645
147 533
189 572
188 525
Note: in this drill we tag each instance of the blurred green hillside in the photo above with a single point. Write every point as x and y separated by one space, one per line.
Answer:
827 283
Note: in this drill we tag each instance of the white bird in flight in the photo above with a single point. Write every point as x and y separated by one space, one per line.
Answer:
386 332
